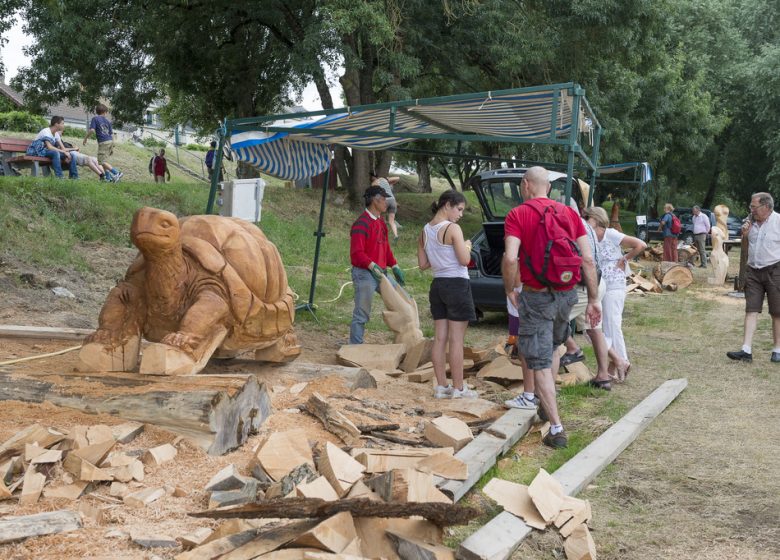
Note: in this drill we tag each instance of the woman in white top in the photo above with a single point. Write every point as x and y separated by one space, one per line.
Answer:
442 248
613 264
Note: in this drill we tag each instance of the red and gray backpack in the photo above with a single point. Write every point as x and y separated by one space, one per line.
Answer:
552 256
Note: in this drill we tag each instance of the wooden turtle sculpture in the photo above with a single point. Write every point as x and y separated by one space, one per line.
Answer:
200 286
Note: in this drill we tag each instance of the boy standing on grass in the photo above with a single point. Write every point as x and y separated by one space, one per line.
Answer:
104 132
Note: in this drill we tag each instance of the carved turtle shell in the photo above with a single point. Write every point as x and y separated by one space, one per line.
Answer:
252 273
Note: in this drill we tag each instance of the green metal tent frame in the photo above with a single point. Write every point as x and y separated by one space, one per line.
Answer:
570 141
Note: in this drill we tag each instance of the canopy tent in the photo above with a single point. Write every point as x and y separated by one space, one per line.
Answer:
298 145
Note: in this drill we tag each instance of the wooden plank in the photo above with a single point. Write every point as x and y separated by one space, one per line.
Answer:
51 333
51 522
497 539
481 454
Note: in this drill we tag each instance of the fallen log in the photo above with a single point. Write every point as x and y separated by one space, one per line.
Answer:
217 413
51 522
442 514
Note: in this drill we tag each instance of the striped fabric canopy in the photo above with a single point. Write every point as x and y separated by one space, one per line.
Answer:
514 115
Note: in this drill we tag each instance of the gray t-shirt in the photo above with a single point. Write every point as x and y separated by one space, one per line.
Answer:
385 184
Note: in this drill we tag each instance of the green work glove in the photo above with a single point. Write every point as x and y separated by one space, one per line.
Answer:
376 272
399 275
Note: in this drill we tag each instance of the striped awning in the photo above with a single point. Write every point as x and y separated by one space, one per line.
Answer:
296 148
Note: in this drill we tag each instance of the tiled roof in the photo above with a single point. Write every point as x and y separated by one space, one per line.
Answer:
70 113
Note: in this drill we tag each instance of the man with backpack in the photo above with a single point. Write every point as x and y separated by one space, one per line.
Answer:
671 226
547 243
158 166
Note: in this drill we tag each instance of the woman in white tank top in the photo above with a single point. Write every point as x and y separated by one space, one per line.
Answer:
441 248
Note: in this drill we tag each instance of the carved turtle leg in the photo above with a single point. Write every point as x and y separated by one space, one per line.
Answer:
115 345
187 351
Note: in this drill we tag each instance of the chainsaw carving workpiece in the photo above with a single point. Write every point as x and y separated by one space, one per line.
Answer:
718 258
721 212
201 286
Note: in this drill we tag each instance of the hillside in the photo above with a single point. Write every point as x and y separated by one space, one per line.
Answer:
76 235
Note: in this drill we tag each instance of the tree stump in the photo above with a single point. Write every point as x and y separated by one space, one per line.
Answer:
673 274
687 254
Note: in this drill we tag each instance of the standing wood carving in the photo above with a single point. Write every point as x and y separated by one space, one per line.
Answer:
721 212
200 286
614 217
402 317
718 258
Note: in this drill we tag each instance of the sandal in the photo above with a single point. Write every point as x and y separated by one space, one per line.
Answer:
567 358
604 385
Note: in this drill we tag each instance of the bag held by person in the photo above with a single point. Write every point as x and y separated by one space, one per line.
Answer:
553 258
36 148
676 226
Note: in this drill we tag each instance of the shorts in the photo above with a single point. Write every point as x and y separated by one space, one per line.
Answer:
578 311
105 149
392 205
451 299
544 325
81 159
760 281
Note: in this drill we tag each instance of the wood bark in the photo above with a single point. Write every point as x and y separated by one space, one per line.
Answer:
441 514
739 280
219 414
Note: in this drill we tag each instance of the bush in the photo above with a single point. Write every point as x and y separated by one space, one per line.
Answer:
196 148
21 121
74 132
152 143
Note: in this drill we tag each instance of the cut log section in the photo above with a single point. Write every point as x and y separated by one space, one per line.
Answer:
672 274
440 513
217 413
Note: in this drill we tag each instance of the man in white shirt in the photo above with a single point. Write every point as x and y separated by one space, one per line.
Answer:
55 149
763 273
701 227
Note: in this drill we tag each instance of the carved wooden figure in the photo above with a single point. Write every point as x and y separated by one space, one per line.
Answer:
721 212
200 286
402 317
718 257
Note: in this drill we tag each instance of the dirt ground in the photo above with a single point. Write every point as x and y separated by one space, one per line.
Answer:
702 482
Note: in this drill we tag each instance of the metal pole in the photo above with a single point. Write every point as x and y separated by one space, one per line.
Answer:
595 160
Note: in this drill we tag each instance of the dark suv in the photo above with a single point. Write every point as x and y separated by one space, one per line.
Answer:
649 231
498 191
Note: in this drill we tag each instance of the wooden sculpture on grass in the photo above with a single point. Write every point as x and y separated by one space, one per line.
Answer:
200 286
719 260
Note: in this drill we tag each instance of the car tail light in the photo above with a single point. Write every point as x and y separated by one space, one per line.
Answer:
472 264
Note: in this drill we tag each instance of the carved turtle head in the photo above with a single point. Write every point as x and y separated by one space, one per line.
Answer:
155 231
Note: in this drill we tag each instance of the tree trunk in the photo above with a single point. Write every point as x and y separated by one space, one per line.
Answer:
424 174
673 275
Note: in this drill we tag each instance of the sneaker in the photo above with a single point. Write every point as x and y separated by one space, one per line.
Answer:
443 392
464 393
557 441
118 175
567 358
740 355
522 403
775 357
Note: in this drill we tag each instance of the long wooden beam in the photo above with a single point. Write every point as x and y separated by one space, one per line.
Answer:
51 333
499 538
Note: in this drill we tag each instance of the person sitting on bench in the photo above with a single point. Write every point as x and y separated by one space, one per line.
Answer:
48 143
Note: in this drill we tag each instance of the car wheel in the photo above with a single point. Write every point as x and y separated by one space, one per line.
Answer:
688 238
642 234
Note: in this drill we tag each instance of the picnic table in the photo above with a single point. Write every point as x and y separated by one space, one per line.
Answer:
13 152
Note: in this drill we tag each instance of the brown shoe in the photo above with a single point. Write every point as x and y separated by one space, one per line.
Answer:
557 441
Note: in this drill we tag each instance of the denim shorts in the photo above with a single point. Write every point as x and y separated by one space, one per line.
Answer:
544 325
451 299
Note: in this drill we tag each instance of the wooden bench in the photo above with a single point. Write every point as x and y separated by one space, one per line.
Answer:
13 151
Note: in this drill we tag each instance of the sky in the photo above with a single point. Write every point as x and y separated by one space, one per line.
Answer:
14 58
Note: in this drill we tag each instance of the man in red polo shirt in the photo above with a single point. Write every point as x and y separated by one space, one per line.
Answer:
544 311
370 253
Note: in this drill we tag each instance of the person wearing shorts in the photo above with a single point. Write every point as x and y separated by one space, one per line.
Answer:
101 127
762 277
83 160
543 311
441 248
